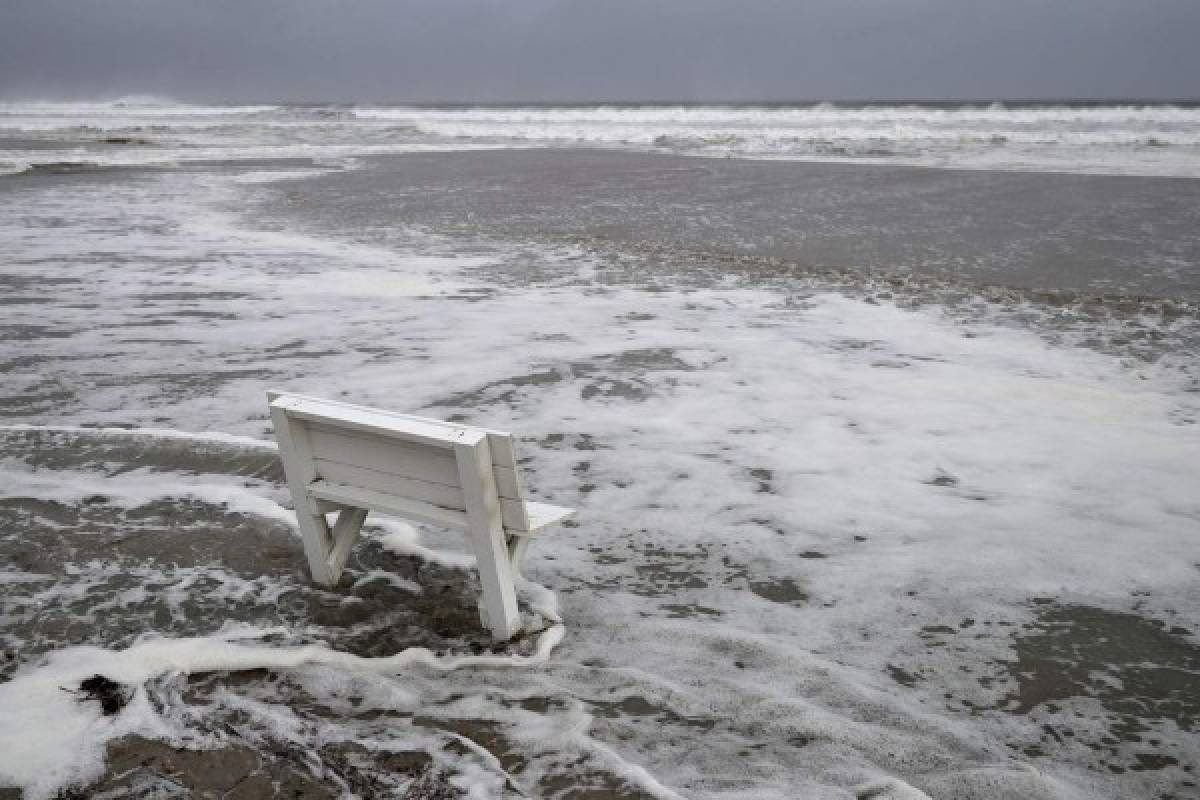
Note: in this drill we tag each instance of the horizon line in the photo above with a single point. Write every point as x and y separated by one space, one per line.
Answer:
150 98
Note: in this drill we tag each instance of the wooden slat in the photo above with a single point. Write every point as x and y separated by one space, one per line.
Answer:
502 452
380 423
406 459
437 494
434 494
388 504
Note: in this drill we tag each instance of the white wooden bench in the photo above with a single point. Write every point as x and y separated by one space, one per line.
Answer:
353 460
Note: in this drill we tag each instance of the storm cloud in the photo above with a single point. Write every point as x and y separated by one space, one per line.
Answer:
589 50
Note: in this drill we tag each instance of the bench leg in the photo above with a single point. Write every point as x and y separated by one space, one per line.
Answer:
299 469
317 542
345 533
498 609
517 546
485 529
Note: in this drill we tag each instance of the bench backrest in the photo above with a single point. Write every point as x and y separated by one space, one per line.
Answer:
398 455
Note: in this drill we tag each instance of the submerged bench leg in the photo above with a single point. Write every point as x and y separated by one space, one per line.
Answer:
485 530
296 455
317 543
517 545
345 533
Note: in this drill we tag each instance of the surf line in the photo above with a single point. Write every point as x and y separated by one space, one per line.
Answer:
214 437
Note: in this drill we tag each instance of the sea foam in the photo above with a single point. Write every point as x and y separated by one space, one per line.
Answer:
1127 140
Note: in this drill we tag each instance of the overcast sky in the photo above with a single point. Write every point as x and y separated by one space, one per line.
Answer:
584 50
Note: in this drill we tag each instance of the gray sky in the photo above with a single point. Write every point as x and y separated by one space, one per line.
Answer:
489 50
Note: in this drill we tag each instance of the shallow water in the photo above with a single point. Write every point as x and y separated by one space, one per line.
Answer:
838 536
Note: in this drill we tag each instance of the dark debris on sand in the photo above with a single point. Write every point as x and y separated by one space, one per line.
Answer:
111 695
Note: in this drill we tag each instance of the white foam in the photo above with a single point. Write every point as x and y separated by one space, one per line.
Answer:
1140 140
207 437
403 539
52 739
138 487
1099 139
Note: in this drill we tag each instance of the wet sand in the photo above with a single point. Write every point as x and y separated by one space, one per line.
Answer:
1084 234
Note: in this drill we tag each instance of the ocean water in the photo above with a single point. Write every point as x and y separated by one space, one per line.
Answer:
1131 139
870 506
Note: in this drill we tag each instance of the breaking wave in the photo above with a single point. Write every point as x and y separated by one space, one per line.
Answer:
1107 139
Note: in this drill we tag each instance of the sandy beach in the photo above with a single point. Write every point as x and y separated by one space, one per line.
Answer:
886 477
